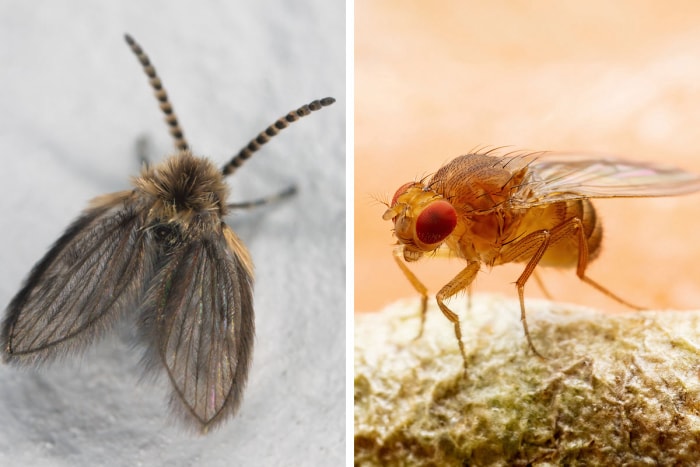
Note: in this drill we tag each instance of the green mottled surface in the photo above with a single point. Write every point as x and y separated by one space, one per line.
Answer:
616 389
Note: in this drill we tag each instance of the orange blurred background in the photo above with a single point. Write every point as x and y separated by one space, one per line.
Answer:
436 79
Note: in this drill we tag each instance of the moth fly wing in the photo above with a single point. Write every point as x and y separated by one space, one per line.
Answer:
201 312
92 273
237 248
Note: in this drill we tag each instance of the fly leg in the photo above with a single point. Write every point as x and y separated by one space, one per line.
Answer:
583 264
460 282
417 285
532 246
290 191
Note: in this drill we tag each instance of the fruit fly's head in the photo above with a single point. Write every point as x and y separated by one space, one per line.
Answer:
422 219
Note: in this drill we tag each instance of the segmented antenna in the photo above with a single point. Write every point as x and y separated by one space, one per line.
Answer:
161 95
272 130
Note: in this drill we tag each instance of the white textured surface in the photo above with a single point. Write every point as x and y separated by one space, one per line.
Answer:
74 100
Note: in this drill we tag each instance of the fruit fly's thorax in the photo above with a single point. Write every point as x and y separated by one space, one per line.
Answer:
480 189
476 182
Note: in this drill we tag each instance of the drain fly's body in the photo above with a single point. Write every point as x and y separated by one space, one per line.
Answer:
163 249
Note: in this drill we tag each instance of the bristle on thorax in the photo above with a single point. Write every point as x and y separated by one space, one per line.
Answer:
183 186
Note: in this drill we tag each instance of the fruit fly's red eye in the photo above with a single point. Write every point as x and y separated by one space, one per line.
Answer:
436 222
402 189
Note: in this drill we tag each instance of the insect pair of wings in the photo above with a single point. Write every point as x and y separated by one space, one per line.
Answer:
194 301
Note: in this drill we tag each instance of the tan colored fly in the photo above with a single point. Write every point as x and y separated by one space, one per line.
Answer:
534 208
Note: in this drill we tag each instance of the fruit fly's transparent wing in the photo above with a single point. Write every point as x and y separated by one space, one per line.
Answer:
199 314
554 177
93 272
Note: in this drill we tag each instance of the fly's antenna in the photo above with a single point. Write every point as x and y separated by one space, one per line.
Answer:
161 95
272 130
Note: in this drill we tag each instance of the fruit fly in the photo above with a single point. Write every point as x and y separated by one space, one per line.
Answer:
533 208
160 251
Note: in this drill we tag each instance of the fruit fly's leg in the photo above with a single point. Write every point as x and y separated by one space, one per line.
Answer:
416 283
540 284
444 252
573 226
583 263
533 246
461 282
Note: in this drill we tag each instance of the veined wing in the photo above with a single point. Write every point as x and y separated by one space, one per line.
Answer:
200 314
91 274
555 177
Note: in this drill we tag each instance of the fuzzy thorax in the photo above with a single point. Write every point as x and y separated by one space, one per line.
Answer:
184 186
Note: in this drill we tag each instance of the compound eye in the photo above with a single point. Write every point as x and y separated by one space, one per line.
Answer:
436 222
402 189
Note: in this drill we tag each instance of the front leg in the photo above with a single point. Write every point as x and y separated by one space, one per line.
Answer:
461 282
417 285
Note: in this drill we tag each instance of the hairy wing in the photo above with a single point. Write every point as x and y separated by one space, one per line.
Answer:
93 272
199 312
557 177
